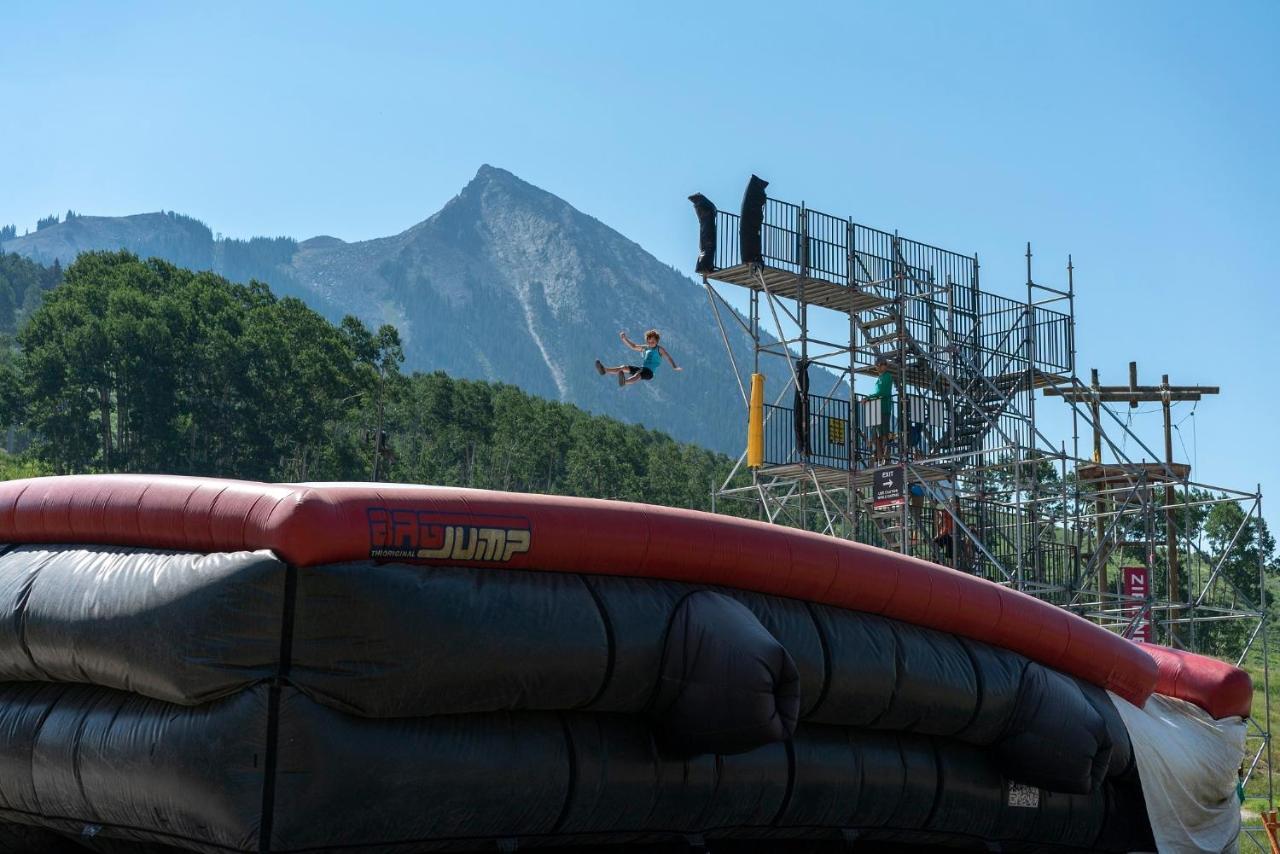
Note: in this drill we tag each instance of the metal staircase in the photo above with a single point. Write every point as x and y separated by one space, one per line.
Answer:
976 402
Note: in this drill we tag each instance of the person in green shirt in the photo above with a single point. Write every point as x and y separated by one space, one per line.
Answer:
884 394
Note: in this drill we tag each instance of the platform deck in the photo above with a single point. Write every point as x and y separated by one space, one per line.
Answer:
832 477
784 283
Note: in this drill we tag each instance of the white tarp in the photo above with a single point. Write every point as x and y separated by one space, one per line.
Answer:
1188 763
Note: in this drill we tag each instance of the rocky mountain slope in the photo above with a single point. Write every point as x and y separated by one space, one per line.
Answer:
506 282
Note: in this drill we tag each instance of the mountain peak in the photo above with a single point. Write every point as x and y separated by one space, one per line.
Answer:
491 179
496 191
493 173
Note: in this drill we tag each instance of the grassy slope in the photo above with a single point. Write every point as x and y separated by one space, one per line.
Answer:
1256 793
1257 787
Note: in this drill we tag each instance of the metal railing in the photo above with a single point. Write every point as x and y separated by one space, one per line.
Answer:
794 237
728 247
1015 336
838 438
833 439
819 246
1007 335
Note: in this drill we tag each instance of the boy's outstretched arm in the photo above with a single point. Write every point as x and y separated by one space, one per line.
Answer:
674 366
625 340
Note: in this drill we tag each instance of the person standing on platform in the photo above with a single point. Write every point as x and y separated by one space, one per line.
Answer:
884 394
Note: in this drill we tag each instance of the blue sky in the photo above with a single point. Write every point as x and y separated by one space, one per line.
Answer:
1141 137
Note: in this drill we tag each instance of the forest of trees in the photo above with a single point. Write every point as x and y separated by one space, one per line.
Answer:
135 365
23 284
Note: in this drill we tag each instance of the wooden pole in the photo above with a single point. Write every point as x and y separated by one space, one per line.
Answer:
1270 823
1133 394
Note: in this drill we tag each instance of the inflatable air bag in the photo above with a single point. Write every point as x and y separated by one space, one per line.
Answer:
1057 740
727 685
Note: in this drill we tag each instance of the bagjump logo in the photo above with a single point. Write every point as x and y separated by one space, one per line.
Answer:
435 536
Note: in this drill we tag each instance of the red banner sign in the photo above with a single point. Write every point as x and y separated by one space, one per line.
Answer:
1137 585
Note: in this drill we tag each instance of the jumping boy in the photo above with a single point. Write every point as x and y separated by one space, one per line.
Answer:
653 355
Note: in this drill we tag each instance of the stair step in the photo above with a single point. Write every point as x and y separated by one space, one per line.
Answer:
882 338
882 321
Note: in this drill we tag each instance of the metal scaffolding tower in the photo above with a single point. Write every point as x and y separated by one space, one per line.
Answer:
964 474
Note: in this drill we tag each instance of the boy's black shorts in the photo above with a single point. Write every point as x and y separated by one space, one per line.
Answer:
645 373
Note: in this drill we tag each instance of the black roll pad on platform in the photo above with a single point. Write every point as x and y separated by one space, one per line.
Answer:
706 233
752 221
